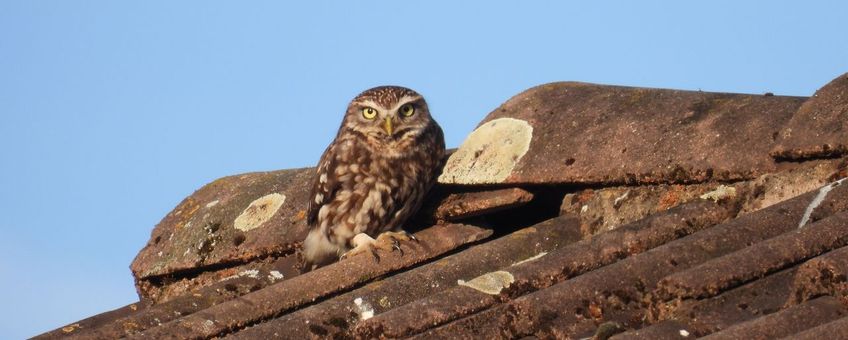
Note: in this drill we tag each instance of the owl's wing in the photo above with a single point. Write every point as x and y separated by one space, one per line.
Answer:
324 185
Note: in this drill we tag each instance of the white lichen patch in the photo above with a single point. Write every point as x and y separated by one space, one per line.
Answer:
259 211
274 275
684 333
490 283
489 153
363 308
533 258
212 204
208 325
720 193
252 273
817 201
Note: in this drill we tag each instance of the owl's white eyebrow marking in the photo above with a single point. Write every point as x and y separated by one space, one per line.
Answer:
403 100
370 103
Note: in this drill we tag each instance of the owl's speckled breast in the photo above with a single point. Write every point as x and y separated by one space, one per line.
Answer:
376 190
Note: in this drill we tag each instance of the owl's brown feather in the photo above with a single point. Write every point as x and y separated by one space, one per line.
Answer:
322 191
368 181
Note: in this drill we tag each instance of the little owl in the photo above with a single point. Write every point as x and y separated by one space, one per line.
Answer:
374 175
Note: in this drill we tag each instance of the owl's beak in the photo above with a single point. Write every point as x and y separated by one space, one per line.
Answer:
388 126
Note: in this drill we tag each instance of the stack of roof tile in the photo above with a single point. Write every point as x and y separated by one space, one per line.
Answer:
573 210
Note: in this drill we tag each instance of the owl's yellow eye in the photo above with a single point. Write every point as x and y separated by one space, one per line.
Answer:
407 110
369 113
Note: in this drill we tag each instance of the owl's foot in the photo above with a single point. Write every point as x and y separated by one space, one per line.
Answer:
391 240
388 241
362 243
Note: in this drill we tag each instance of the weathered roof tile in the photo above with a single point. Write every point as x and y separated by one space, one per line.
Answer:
666 329
469 204
336 316
586 133
746 302
832 330
301 290
707 279
824 275
546 269
610 292
820 127
786 322
653 213
232 220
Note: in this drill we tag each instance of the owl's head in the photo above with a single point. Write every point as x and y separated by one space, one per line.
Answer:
388 114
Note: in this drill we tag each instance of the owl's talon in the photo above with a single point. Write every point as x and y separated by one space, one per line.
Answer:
374 253
396 245
391 240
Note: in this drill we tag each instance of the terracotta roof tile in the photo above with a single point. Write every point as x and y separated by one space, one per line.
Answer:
586 133
832 330
746 302
574 307
666 329
542 272
601 211
95 322
304 289
820 126
463 205
231 221
336 316
758 260
824 275
786 322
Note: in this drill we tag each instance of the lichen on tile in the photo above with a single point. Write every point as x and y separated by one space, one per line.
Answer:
490 283
490 153
259 211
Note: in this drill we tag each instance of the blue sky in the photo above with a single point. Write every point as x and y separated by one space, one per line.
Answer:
112 112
